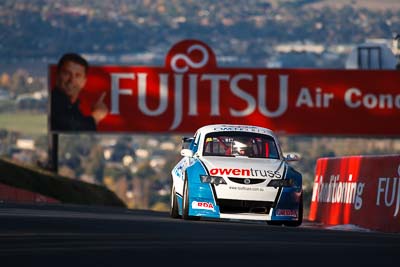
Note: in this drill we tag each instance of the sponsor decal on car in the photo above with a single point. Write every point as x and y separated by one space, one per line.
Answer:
286 212
241 128
246 188
203 205
245 172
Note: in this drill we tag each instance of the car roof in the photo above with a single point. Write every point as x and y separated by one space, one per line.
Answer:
234 128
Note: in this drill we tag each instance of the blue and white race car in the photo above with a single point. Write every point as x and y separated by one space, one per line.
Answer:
236 172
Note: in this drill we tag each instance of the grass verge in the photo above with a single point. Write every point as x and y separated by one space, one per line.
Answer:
28 123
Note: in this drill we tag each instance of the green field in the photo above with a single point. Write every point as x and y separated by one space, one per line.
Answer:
32 124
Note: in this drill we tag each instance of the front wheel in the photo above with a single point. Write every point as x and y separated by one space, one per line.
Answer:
185 205
300 219
173 212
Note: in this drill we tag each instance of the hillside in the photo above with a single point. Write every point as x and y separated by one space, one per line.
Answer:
372 5
48 184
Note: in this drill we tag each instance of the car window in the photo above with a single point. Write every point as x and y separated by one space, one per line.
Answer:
231 144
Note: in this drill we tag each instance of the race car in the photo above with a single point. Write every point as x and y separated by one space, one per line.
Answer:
236 172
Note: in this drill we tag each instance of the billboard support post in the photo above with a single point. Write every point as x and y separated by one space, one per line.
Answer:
53 152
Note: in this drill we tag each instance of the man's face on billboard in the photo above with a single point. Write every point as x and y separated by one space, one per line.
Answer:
71 79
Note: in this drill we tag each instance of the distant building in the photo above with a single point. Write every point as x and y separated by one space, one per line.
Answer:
300 47
168 146
27 144
396 48
274 63
374 54
4 94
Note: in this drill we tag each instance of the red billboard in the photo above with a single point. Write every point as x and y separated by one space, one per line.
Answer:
191 91
359 190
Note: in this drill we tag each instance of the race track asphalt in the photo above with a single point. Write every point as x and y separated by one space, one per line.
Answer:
59 235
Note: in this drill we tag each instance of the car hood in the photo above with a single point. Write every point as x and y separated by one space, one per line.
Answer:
244 167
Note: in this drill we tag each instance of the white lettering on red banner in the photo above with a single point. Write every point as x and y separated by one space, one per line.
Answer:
389 192
338 192
190 91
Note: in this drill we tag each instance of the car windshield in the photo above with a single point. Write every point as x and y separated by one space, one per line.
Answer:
233 144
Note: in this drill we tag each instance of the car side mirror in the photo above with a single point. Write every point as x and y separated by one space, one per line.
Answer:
292 157
187 153
186 142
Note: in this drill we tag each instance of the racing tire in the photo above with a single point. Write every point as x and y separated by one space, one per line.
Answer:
174 210
300 220
185 204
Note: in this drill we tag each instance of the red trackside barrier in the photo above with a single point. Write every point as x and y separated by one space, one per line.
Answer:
359 190
12 194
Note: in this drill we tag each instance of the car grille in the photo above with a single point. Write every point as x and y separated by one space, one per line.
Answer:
241 180
244 206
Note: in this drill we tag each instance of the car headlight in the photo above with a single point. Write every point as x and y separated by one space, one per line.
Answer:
281 183
212 179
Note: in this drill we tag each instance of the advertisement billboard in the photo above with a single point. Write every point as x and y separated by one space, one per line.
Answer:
358 190
191 91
